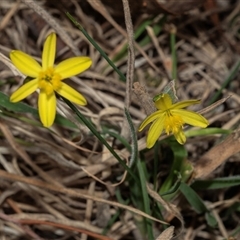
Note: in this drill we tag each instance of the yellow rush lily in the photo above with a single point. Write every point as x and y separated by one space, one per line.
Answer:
171 118
48 78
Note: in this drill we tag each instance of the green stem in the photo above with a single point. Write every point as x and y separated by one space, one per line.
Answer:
146 201
233 72
79 26
173 51
101 139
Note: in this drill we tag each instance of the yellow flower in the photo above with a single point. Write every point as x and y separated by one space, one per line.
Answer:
48 78
171 117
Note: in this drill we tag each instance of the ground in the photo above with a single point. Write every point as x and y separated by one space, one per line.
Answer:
97 179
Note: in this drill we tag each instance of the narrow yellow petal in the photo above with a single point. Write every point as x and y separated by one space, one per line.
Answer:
191 118
185 104
151 118
180 137
164 102
25 90
73 66
25 63
47 108
154 132
49 51
71 94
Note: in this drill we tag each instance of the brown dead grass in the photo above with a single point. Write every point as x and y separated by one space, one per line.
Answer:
64 159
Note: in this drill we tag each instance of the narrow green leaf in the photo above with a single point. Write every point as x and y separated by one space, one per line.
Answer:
157 28
100 138
173 189
91 40
139 194
20 107
16 107
146 200
173 53
206 131
194 200
211 221
217 183
229 78
134 145
180 154
116 135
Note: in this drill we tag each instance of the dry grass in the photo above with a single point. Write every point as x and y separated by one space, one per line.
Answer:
49 178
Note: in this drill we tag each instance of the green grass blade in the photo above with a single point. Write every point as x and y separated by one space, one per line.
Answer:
100 138
141 173
146 200
211 220
156 163
157 28
16 107
229 78
180 154
173 189
20 107
118 212
91 40
206 131
217 183
194 200
173 52
117 136
235 232
134 146
138 32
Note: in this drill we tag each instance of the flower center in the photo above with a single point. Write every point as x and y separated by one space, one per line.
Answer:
173 123
49 81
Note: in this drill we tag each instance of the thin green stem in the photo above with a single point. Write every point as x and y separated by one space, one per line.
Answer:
173 51
134 146
101 139
91 40
146 201
230 77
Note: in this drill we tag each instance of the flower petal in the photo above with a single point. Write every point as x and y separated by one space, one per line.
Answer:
151 118
71 94
25 90
154 132
164 102
191 118
180 137
49 51
47 108
185 104
73 66
25 63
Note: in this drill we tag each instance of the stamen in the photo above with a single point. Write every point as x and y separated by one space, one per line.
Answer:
49 81
173 123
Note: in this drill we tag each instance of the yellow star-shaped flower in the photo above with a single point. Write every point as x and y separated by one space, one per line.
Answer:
171 118
48 78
